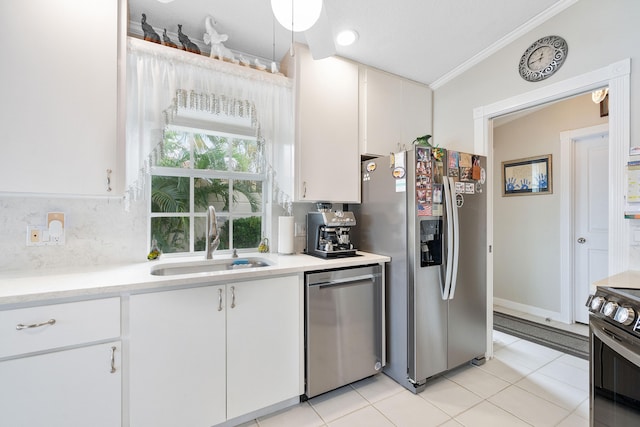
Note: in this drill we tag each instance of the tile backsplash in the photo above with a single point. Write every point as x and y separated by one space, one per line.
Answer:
98 231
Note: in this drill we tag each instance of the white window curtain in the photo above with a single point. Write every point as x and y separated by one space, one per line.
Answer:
155 74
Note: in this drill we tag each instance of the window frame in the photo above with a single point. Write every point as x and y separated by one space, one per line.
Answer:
230 132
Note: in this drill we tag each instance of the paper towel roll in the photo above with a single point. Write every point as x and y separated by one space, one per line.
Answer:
285 234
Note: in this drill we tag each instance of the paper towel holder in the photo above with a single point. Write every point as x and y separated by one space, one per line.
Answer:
286 227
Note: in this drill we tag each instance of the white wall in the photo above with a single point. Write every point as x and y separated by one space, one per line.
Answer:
527 228
598 34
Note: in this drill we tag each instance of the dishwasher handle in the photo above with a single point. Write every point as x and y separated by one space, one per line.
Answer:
345 280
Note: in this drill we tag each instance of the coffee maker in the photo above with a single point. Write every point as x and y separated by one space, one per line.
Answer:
328 234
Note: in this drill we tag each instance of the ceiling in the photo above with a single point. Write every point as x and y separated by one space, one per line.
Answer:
428 41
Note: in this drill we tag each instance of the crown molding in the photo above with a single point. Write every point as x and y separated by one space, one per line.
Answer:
504 41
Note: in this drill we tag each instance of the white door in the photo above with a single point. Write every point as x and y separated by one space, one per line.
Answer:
177 358
591 230
263 343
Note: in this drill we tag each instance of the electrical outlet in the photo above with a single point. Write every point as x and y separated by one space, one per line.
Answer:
35 235
301 229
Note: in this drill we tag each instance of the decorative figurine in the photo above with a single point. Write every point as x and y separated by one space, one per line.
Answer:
263 247
149 33
167 41
189 46
423 140
212 37
259 65
155 252
244 61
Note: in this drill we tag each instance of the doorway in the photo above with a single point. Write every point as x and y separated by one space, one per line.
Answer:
588 221
532 274
616 77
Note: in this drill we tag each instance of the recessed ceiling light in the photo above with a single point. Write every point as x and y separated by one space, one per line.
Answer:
347 37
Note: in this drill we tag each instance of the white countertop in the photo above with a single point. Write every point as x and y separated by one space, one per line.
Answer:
28 286
626 279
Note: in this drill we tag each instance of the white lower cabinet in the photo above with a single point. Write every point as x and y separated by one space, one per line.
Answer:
201 356
61 389
51 371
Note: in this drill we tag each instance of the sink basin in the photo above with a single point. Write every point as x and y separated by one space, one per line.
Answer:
209 266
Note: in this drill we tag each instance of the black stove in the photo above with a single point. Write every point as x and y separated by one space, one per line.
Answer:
617 306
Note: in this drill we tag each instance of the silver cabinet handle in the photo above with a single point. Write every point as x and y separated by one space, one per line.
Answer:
20 326
233 297
582 240
304 190
113 359
109 179
220 299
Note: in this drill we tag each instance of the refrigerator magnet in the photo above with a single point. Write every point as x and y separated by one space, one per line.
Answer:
459 187
465 160
437 193
465 173
424 210
469 188
371 166
398 173
453 160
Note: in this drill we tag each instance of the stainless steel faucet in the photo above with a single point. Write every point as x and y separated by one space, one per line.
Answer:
212 235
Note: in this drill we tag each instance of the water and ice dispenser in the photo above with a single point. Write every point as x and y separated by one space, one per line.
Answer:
430 242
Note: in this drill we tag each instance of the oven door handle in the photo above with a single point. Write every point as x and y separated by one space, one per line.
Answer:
616 344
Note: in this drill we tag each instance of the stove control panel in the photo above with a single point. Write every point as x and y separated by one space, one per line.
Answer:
616 308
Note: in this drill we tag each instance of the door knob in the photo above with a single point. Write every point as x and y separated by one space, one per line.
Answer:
581 240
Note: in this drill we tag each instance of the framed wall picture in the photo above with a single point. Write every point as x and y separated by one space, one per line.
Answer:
529 176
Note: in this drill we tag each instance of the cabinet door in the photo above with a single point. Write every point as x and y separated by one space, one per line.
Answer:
59 95
380 113
263 344
67 388
177 358
327 160
416 111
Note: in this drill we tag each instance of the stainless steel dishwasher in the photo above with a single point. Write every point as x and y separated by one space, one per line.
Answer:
344 327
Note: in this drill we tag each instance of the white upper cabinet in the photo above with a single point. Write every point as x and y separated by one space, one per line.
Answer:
393 112
327 157
59 86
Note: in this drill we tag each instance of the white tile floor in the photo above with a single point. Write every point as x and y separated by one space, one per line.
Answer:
525 384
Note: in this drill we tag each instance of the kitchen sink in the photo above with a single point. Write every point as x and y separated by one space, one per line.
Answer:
209 266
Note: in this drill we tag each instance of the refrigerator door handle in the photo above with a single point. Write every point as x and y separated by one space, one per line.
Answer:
456 238
448 201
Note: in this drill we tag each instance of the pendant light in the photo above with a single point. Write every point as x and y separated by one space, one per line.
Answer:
296 15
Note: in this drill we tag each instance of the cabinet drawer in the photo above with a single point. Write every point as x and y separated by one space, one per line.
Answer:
33 329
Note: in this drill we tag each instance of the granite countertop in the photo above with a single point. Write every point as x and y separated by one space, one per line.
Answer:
29 286
626 279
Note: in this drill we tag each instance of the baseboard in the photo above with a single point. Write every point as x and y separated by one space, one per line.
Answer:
499 303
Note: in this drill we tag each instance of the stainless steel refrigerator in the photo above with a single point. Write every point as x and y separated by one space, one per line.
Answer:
426 209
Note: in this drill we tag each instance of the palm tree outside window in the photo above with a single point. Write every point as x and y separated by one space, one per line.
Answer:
202 167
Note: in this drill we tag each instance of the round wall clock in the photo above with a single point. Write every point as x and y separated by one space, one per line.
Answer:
543 58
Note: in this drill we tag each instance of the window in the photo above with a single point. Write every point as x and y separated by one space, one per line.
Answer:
202 167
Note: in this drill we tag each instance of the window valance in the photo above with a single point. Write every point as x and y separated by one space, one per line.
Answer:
156 78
